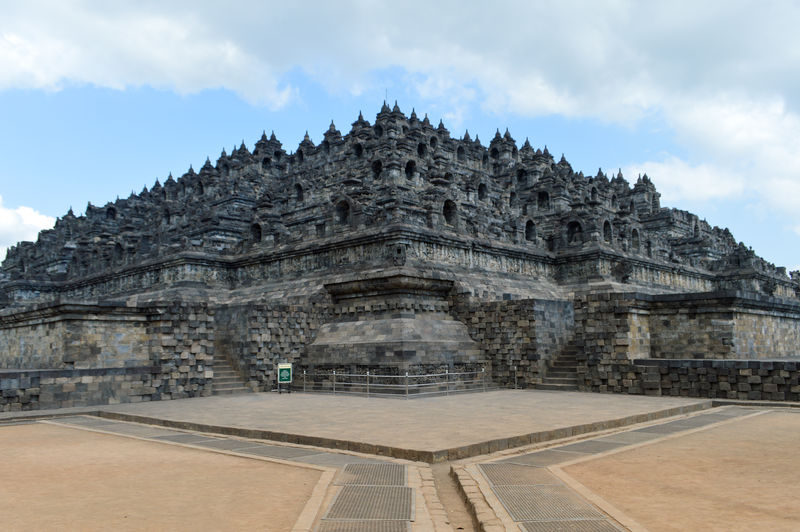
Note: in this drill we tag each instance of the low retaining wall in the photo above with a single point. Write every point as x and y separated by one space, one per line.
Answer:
61 388
768 380
520 333
153 353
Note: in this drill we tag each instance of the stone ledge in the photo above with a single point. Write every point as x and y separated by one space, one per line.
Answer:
429 456
71 373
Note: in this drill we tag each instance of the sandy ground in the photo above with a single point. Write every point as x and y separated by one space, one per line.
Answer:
741 475
58 478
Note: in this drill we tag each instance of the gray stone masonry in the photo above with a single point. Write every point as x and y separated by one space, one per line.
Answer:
394 247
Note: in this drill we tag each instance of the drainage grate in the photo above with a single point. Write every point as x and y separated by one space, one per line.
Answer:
590 446
630 438
666 428
569 526
10 422
364 526
373 475
544 503
543 458
186 438
372 502
334 459
88 421
733 411
517 475
224 445
700 421
277 451
142 431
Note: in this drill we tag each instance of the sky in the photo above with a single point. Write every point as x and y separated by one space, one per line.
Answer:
99 99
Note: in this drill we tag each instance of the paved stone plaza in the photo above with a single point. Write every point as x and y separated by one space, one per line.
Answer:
606 462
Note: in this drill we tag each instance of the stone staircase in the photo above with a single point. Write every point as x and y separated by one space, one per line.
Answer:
227 380
561 373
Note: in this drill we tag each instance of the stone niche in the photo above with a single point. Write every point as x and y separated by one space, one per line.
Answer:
393 323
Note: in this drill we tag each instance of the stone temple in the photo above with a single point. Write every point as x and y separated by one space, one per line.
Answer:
392 248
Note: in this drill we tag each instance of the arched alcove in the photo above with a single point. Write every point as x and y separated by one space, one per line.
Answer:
543 201
482 192
118 254
607 236
298 192
635 240
377 168
255 233
411 167
342 212
574 233
450 212
530 231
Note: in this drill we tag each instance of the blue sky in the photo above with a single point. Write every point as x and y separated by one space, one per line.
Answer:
99 99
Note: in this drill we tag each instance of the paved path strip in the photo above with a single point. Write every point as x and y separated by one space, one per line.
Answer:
539 501
435 429
373 495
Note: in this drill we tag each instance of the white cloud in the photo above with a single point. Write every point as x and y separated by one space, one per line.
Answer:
717 72
21 223
677 180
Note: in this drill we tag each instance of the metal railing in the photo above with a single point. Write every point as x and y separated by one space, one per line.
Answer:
403 386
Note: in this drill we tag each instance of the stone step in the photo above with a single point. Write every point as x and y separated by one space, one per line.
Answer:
231 391
230 386
560 387
225 385
560 380
561 374
227 380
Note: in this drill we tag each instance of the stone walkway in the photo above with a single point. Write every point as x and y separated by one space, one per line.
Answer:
430 430
370 493
538 500
512 490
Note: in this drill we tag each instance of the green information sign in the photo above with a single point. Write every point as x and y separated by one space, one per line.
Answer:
284 373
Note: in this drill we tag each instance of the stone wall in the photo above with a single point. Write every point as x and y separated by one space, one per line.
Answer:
712 325
768 380
642 344
161 351
182 347
519 334
256 336
74 336
63 388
